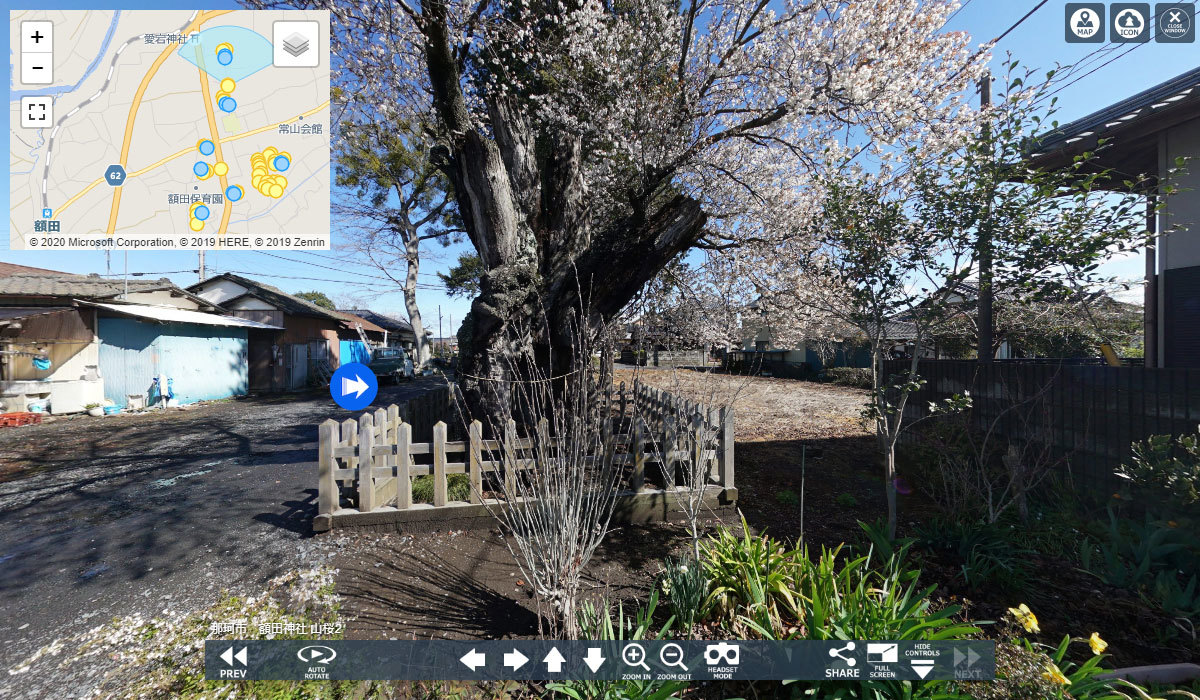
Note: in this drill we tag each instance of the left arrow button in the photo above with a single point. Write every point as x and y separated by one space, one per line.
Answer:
474 660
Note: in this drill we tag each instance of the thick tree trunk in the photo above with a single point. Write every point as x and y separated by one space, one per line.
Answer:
525 205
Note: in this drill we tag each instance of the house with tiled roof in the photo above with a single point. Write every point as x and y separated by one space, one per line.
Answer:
313 338
67 341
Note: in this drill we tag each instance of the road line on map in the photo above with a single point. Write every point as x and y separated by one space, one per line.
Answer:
127 141
180 154
111 67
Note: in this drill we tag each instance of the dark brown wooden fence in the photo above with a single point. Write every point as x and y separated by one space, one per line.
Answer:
1091 413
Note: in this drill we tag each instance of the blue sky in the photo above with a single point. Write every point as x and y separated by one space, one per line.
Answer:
1109 76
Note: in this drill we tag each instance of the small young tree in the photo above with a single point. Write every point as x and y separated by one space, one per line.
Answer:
893 245
558 496
387 166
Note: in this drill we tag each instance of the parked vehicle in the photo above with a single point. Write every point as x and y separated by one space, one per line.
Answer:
391 363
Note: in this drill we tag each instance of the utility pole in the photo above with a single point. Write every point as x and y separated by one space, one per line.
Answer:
200 267
441 339
983 243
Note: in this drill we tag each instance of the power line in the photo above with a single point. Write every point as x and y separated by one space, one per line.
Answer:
955 13
1018 22
1128 51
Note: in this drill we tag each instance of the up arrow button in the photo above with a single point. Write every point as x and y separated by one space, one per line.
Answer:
554 660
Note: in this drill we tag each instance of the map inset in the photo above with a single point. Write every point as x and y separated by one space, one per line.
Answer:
165 129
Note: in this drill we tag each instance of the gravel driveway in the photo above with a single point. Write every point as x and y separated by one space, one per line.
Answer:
120 515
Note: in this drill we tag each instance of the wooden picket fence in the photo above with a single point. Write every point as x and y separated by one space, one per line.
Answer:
374 459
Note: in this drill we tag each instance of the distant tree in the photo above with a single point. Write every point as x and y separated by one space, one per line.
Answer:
1072 325
463 278
317 298
409 203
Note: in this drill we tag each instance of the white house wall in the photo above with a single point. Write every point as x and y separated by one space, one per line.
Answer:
1182 248
221 290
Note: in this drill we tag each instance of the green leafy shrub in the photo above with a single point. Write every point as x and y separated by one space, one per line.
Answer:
1168 464
1129 554
458 488
788 497
846 500
686 588
986 553
747 573
859 377
600 623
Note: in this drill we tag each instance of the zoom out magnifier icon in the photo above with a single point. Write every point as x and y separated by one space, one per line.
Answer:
672 655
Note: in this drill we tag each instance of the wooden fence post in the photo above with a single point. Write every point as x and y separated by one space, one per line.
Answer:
439 464
385 488
366 463
327 486
474 466
638 481
670 436
510 458
725 448
403 466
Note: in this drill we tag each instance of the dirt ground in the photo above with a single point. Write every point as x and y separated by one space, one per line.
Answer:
806 467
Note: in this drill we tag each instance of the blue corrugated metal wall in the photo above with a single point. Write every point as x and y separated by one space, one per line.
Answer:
205 362
353 351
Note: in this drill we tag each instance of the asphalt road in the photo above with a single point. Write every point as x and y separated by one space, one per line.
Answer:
106 517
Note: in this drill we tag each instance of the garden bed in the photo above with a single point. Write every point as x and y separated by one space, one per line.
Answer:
466 585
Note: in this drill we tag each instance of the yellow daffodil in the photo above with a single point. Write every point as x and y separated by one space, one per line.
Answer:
1097 644
1026 617
1054 675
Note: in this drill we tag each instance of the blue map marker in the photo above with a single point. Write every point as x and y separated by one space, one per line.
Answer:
353 386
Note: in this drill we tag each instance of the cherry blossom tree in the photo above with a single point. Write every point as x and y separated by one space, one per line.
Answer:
605 138
892 246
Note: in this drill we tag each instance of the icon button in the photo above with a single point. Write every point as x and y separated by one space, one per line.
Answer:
296 43
841 654
554 660
317 654
1130 22
723 653
921 667
37 36
1085 22
883 652
1175 23
37 68
594 659
672 655
515 659
229 656
353 386
37 112
634 654
474 660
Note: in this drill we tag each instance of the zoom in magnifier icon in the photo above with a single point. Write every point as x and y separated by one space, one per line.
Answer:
634 654
672 655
